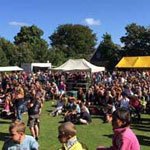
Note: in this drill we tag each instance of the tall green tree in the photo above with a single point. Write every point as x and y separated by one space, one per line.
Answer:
23 54
136 40
109 52
56 56
9 49
74 40
3 59
32 36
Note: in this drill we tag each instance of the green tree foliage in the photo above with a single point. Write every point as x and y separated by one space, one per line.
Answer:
74 40
107 48
136 40
109 52
23 54
8 49
56 56
31 37
3 59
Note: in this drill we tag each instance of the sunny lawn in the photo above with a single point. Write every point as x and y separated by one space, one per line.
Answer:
97 133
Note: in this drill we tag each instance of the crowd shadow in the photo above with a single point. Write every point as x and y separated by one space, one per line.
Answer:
141 128
143 140
49 110
109 136
143 125
5 122
4 136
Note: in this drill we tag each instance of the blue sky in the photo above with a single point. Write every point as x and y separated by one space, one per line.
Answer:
101 16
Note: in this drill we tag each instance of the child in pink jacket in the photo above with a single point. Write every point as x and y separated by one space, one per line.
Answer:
124 138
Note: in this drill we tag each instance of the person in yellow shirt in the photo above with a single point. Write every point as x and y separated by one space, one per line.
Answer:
67 136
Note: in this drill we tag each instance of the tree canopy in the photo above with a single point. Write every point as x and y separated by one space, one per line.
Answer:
74 40
108 51
7 51
136 40
3 59
30 38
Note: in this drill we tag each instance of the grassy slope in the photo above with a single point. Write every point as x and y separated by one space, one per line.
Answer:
92 135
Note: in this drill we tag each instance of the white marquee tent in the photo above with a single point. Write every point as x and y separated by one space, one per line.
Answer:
29 66
78 65
10 68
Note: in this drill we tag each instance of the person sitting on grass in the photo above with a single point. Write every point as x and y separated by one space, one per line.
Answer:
124 138
70 110
85 117
60 106
67 136
18 139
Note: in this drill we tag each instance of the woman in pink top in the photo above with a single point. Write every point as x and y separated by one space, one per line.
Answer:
124 138
7 104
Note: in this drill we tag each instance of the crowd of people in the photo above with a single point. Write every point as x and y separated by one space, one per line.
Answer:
22 92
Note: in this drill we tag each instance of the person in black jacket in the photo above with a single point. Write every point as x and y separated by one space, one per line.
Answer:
34 110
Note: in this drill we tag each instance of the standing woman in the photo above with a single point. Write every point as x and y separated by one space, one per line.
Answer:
19 100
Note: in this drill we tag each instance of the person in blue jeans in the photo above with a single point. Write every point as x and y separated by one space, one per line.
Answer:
19 101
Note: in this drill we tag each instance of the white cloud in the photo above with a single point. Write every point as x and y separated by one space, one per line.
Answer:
92 22
14 23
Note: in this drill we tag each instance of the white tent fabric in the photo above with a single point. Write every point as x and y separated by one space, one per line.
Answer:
29 66
10 68
79 65
41 65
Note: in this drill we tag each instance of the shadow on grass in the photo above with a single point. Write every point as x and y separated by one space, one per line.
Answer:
109 136
141 128
5 122
143 140
97 116
145 121
4 136
143 125
49 110
61 121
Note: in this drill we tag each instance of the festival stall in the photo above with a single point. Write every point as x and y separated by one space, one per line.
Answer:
78 65
138 62
31 67
10 68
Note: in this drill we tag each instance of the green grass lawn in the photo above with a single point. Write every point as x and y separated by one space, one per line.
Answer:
92 135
